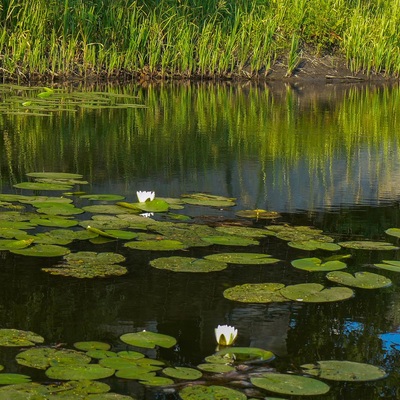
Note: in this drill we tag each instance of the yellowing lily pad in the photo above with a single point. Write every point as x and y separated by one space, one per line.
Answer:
43 250
316 293
182 373
293 385
18 338
364 280
256 293
78 372
148 339
348 371
368 245
315 264
44 357
187 264
258 214
201 392
243 258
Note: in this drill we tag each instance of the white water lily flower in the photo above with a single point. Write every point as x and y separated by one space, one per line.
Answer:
225 334
146 215
144 196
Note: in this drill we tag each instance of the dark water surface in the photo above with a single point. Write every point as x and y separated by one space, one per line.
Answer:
325 156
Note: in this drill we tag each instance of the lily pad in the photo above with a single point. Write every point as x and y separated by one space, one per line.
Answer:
244 231
43 250
54 175
105 222
42 186
201 392
182 373
216 368
152 380
156 245
136 372
92 345
310 245
19 338
230 240
256 293
87 271
135 367
315 264
54 221
102 197
293 385
393 232
243 258
247 354
347 371
258 214
156 205
44 357
209 200
148 339
106 209
91 257
364 280
389 265
368 245
78 372
12 379
316 293
9 244
99 354
187 264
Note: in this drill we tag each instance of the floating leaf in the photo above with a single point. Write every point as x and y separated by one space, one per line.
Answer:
243 258
230 240
187 264
182 373
91 257
106 209
203 199
315 264
105 222
54 175
256 293
293 385
134 366
316 293
393 232
368 245
78 372
344 371
45 357
216 368
311 245
91 345
101 354
247 354
42 186
389 265
150 380
148 339
9 244
132 355
18 338
43 250
156 245
201 392
54 221
136 372
244 231
258 214
12 379
102 197
364 280
155 205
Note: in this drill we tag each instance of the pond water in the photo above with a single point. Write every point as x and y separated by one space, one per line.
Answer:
326 157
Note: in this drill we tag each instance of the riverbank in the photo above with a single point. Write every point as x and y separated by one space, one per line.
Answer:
120 40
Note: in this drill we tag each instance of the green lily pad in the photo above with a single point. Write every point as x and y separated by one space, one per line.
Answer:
148 339
201 392
10 233
43 250
217 368
244 231
92 345
18 338
310 245
10 244
347 371
230 240
368 245
389 265
182 373
364 280
106 209
393 232
156 245
220 359
187 264
293 385
256 293
44 357
209 200
316 293
91 257
136 372
156 205
135 367
247 354
152 380
243 258
78 372
102 197
54 221
16 224
42 186
12 379
54 175
315 264
258 214
87 271
119 234
132 355
65 209
105 222
99 354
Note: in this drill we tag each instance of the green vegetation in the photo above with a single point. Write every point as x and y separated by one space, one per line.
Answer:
192 38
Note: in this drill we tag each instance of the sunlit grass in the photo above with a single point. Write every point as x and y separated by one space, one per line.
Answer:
192 37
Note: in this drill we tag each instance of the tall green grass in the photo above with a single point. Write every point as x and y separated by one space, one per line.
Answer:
184 38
